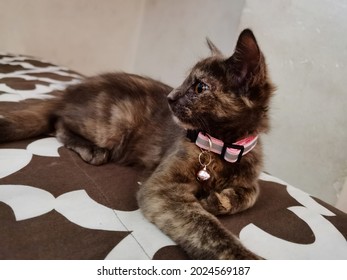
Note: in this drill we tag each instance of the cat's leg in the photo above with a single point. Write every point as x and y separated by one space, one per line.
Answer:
173 208
231 200
87 150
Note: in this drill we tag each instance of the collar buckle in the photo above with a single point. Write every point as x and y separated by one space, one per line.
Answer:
226 156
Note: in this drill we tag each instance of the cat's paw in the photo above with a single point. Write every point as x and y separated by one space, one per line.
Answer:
99 156
216 203
93 155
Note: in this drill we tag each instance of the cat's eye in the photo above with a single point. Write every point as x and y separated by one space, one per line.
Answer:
200 87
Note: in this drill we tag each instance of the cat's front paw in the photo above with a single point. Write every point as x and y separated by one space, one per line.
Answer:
93 155
216 204
99 156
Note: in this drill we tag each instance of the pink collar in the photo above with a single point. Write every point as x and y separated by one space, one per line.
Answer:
231 153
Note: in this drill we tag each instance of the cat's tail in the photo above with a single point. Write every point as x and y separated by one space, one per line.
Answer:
37 118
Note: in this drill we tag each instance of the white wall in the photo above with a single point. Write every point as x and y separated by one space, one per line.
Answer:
305 44
173 35
342 199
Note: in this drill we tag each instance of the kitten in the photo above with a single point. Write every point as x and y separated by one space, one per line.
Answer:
138 121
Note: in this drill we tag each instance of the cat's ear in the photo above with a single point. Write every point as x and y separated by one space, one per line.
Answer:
247 56
214 50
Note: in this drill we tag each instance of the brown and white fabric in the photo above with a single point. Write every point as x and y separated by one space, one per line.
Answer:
55 206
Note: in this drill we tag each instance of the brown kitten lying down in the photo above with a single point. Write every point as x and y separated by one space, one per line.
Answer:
133 120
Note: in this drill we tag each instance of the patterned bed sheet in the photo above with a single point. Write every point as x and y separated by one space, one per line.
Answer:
55 206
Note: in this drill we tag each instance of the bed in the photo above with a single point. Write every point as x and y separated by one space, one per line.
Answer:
55 206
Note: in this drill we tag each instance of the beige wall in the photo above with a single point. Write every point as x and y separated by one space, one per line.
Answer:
161 38
86 35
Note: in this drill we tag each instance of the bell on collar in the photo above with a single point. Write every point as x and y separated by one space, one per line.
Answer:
203 175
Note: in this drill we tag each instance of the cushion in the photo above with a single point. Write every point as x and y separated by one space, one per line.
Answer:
53 205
